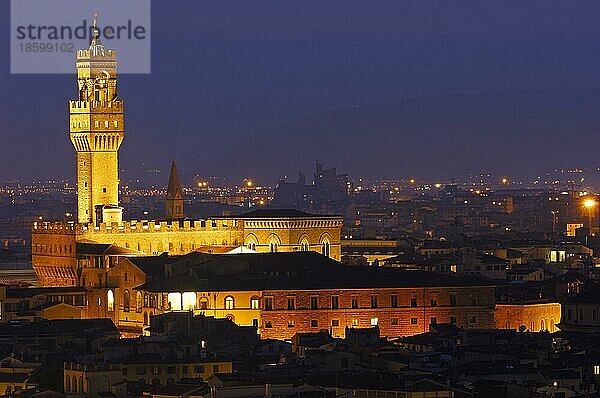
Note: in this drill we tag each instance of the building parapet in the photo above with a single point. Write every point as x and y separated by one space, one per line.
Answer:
77 106
106 54
53 227
133 226
294 223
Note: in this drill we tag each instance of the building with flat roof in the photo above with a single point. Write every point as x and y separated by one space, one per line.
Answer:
282 294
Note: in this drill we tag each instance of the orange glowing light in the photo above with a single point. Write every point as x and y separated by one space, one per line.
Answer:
589 203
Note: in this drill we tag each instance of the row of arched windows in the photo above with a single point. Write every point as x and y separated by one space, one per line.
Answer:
74 383
544 325
274 243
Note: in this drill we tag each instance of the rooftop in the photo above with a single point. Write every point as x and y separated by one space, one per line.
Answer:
23 292
280 213
292 271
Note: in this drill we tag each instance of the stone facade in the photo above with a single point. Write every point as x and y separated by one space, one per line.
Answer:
55 261
469 308
280 314
534 317
53 254
96 131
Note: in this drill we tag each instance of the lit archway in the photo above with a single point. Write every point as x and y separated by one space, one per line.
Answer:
229 303
110 301
126 300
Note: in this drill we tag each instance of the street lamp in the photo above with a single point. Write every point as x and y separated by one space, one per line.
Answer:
590 204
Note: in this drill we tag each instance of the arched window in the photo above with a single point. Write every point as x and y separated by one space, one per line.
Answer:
304 245
146 300
252 246
126 300
138 304
507 324
68 383
273 243
203 303
229 303
110 300
542 325
325 248
552 329
74 383
532 326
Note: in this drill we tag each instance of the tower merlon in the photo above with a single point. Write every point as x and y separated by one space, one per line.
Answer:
87 54
114 106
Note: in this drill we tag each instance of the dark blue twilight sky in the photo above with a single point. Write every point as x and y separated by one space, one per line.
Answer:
225 72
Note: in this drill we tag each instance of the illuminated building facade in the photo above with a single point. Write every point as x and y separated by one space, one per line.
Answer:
284 294
97 131
534 317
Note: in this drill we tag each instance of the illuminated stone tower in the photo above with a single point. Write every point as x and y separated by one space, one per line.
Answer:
97 131
174 202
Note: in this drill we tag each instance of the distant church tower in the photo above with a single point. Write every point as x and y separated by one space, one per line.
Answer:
174 202
97 131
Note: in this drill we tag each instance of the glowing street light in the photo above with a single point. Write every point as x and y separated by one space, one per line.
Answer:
589 203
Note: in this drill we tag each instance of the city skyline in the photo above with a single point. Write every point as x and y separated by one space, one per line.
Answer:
334 199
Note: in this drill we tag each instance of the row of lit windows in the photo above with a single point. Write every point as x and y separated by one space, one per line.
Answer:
176 301
354 302
314 323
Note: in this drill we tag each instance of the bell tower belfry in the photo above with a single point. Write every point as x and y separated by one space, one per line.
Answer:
97 131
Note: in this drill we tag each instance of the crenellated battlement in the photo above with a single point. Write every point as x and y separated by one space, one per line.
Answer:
53 227
138 226
115 106
94 55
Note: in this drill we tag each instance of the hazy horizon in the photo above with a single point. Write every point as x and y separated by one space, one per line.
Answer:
256 69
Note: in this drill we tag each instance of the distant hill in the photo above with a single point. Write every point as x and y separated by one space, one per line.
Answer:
515 133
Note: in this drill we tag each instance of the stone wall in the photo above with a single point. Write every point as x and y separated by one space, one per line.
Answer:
534 316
